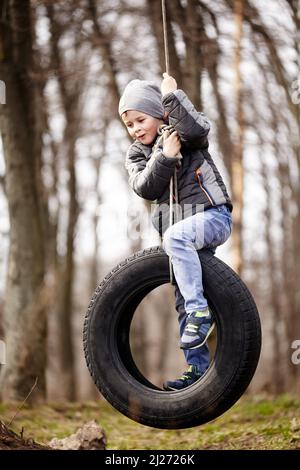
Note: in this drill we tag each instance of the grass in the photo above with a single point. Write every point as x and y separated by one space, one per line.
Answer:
253 423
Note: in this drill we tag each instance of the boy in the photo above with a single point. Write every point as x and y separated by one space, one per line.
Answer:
202 196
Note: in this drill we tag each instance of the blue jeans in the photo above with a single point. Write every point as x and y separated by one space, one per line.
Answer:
207 229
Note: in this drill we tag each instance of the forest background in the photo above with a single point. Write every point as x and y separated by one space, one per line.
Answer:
67 214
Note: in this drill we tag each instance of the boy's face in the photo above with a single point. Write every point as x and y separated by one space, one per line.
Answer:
141 126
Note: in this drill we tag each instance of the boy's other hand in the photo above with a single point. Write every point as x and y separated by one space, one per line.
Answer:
171 144
168 84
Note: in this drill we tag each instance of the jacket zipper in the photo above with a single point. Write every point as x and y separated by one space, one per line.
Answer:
199 178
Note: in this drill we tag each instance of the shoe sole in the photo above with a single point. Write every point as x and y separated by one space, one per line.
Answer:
203 342
170 389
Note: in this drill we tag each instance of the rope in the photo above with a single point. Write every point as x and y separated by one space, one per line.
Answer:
164 18
173 180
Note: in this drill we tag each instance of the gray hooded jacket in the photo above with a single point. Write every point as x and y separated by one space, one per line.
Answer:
200 185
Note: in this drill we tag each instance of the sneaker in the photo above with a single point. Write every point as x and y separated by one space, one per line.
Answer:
190 376
198 327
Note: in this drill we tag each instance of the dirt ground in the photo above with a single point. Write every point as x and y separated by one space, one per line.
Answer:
254 423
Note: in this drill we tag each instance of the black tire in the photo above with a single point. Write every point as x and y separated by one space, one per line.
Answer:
109 359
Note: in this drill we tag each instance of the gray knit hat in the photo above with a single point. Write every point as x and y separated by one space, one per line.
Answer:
144 96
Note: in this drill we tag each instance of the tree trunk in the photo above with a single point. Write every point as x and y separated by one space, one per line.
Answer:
237 171
25 298
277 376
295 321
94 277
224 138
139 336
193 65
110 66
70 94
65 280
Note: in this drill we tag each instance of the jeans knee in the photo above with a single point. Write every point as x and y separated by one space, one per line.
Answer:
167 240
171 241
174 241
